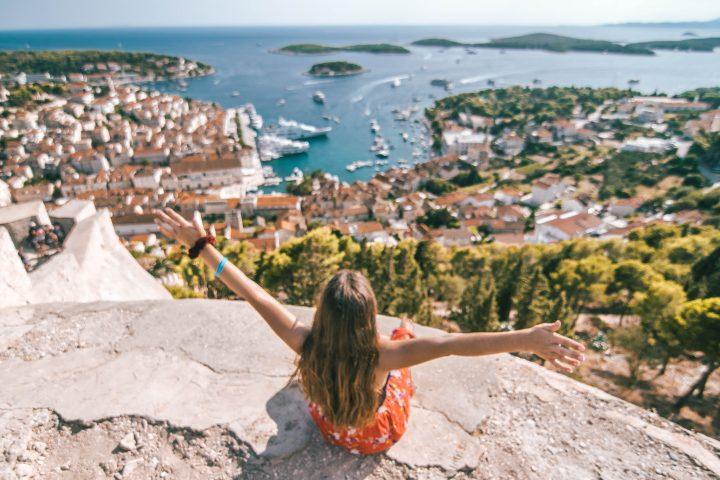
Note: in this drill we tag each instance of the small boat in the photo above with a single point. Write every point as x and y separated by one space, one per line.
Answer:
296 176
633 81
404 136
374 126
319 97
536 81
491 83
281 102
396 83
440 82
384 153
272 181
235 94
327 116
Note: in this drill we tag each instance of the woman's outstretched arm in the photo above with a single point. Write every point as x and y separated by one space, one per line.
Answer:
283 323
542 340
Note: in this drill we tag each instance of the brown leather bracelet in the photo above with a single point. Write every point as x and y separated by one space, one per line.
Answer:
195 250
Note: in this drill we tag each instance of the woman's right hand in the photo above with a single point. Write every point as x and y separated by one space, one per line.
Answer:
560 351
175 227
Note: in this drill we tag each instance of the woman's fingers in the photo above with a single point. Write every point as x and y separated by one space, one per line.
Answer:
162 217
177 217
569 343
165 231
197 222
566 352
561 366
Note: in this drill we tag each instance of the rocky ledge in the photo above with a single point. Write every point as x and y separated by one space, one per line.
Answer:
199 389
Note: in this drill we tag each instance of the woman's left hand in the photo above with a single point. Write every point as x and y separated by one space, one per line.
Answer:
175 227
562 352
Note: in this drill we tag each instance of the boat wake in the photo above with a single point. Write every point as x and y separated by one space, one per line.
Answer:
316 82
496 76
365 89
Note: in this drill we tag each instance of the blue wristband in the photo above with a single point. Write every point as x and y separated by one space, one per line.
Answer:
220 266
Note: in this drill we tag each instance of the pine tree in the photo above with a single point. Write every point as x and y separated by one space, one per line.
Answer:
560 311
406 282
478 308
507 287
533 301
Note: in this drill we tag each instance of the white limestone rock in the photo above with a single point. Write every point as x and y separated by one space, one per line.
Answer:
201 387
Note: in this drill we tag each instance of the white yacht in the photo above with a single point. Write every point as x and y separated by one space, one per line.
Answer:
296 130
359 164
319 97
396 82
256 121
374 126
383 153
272 147
296 176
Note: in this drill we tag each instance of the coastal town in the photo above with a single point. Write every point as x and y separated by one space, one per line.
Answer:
133 150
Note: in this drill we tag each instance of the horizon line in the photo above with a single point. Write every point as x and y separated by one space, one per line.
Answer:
329 25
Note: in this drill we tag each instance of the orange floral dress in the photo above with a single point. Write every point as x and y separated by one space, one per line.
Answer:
391 419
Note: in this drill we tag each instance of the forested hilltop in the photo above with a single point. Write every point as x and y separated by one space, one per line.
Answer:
542 41
662 282
65 62
559 43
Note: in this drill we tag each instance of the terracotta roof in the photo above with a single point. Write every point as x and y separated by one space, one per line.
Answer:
277 201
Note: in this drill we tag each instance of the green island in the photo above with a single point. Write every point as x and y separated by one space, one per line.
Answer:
335 69
689 45
65 62
543 41
314 49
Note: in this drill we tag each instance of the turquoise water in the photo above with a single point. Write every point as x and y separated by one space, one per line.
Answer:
244 63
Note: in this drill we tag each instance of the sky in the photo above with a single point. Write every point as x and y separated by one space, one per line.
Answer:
38 14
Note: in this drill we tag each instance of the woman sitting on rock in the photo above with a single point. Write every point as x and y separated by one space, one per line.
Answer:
357 381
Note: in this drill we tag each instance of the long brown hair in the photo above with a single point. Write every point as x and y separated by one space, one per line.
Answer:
336 369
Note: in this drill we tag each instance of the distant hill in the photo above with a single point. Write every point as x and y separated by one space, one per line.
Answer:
543 41
690 45
63 62
314 49
701 24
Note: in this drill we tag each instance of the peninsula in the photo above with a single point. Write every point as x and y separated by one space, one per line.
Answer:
315 49
89 62
689 45
335 69
542 41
